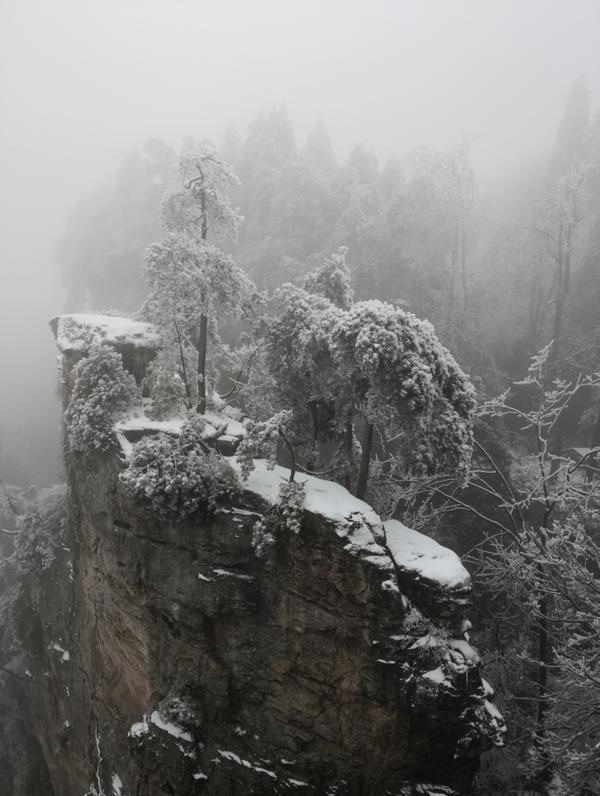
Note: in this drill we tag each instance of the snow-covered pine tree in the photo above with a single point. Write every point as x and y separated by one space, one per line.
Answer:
178 475
332 280
368 367
191 280
102 389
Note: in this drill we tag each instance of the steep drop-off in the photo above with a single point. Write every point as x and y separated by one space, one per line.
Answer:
167 658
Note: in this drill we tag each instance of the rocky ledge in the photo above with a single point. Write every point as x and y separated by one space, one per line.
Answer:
168 658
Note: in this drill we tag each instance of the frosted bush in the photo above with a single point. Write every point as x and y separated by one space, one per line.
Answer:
40 528
166 383
260 441
102 389
287 513
179 475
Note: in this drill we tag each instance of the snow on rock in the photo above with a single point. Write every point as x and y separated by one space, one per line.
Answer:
139 729
496 717
231 427
227 573
232 757
354 519
138 421
65 655
117 785
436 676
137 424
77 331
168 726
414 552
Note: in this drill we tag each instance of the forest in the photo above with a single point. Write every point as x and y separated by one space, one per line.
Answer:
283 283
407 328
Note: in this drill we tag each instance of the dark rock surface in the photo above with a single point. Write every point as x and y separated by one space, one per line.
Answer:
297 672
156 658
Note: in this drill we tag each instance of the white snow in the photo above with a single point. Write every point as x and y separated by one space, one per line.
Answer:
354 519
216 427
468 652
415 552
75 332
199 775
460 656
236 510
138 421
65 655
233 427
436 675
126 446
429 641
203 577
488 691
139 728
117 785
228 574
246 763
495 714
168 726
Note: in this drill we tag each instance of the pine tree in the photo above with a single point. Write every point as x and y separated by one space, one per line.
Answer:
192 281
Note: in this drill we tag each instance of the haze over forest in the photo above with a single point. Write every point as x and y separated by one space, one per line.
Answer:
83 84
338 270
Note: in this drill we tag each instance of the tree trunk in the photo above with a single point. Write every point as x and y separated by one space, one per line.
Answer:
544 651
202 338
365 460
594 443
203 333
463 268
348 438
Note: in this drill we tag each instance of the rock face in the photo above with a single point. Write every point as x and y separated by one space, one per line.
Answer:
170 659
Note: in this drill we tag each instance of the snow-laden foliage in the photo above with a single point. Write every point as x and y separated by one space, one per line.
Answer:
39 530
102 389
331 280
205 183
406 382
260 441
165 380
286 513
179 475
193 285
339 371
188 277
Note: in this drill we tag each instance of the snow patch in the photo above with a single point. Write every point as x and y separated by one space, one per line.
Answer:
75 332
246 763
168 726
354 519
65 654
117 785
436 676
139 729
228 574
415 552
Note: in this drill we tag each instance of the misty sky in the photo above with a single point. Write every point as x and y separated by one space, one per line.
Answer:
82 82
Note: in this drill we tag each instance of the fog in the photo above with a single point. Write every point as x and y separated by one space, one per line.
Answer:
82 83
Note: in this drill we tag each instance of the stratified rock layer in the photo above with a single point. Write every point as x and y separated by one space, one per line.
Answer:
170 659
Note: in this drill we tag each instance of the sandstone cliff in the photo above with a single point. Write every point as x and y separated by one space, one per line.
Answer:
167 658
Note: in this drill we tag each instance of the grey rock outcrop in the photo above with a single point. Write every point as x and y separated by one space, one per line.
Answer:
167 658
